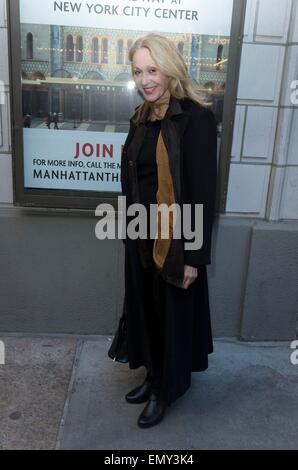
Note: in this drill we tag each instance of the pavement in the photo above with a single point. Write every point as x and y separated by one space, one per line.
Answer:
63 392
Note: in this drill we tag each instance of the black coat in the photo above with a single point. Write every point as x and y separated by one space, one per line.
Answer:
178 329
190 135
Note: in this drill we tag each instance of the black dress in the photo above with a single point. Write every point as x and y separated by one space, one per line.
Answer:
147 170
161 337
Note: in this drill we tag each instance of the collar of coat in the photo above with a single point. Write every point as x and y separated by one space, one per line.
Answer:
175 108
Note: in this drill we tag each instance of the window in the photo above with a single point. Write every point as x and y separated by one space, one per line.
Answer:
69 48
120 51
79 49
84 82
180 47
129 45
104 51
29 46
95 57
219 56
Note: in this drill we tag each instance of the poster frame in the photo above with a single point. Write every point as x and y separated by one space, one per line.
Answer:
80 199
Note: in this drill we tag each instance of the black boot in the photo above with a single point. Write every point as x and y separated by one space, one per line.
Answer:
153 412
141 393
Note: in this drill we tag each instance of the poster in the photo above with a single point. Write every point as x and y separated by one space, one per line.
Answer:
77 90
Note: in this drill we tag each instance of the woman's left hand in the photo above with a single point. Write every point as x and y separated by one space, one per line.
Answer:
190 275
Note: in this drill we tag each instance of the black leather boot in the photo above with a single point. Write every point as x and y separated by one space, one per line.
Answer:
141 393
153 412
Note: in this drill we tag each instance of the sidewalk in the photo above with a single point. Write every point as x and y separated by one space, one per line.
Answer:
63 392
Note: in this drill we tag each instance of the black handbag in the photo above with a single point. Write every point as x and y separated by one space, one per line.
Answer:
118 350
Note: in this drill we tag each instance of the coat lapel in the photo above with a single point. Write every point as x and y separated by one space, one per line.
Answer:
173 126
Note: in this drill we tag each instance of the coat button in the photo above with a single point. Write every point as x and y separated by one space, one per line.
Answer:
130 162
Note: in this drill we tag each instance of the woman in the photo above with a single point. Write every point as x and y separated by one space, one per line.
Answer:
169 157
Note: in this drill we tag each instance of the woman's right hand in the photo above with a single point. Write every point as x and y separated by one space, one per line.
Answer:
190 275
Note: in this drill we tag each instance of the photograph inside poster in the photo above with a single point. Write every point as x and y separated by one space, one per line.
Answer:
80 78
76 77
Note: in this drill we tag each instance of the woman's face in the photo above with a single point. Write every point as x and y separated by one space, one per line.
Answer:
150 81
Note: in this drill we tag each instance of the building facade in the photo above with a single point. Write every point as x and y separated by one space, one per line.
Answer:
57 277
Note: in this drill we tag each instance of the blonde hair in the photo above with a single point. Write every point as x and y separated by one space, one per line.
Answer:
171 63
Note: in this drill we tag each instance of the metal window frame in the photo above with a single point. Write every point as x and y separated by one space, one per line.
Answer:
229 110
74 199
